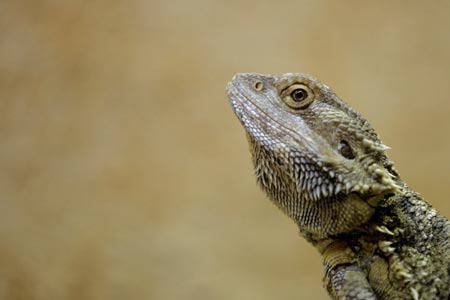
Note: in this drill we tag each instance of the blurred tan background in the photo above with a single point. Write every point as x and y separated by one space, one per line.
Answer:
125 174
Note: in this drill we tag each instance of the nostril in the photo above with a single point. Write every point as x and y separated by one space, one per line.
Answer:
258 85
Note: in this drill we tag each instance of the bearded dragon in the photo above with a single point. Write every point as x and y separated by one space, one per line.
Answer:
325 167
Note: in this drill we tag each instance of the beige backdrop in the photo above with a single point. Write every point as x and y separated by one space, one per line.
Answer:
124 172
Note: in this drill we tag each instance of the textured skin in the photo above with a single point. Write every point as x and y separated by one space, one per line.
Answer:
326 168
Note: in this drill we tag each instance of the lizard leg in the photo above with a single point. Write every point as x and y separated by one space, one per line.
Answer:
344 278
349 282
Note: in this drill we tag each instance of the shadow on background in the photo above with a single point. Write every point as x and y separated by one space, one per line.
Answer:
125 174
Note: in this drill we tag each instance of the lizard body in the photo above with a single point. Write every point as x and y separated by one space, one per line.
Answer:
324 165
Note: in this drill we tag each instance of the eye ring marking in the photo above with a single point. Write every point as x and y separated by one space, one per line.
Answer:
258 85
345 150
297 96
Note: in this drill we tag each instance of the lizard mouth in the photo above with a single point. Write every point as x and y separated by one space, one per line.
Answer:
253 117
241 104
263 129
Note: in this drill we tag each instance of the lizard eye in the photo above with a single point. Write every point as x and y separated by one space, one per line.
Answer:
297 96
345 150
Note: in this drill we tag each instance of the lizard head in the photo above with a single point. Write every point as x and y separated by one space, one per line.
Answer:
308 146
